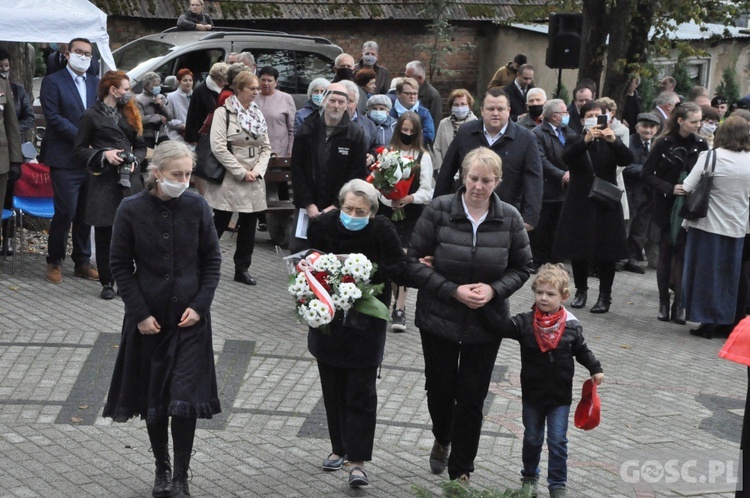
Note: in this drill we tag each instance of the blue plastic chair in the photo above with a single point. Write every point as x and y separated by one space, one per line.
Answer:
40 207
7 215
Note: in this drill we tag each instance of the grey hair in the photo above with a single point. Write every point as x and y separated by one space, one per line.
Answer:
665 98
317 83
150 77
370 44
219 71
550 106
418 67
351 87
234 70
535 91
247 59
165 153
339 57
363 190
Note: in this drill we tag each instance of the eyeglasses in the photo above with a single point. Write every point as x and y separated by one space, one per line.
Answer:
81 52
409 94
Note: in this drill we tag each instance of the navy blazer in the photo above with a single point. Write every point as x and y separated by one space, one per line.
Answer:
63 109
516 100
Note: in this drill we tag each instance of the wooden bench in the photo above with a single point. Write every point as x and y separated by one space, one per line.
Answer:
280 210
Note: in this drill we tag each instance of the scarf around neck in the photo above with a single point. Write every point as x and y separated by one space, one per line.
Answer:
549 328
251 119
400 109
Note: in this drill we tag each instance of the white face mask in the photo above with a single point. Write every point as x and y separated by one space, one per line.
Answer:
460 111
171 188
709 128
79 63
589 123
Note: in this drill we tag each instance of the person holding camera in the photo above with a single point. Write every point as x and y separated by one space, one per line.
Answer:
110 144
152 104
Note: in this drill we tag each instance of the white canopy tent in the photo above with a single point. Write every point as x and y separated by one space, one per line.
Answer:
55 21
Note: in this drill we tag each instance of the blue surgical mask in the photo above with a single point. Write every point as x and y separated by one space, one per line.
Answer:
379 116
352 223
317 99
156 90
565 119
369 60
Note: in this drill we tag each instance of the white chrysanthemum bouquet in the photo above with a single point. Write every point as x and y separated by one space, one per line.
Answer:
327 285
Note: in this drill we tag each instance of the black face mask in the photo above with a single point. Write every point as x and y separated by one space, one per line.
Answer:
405 139
535 110
344 73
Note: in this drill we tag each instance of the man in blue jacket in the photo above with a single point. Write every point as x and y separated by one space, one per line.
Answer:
65 95
522 183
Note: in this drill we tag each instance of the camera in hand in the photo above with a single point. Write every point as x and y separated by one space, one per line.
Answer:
124 168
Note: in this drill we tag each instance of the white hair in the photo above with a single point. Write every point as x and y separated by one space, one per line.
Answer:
417 66
536 91
339 57
317 83
351 88
369 44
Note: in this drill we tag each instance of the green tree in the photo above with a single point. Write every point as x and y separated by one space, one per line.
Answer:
441 30
684 81
728 88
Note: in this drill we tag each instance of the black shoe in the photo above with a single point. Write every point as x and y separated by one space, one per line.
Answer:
180 488
108 292
602 304
704 330
244 277
678 314
357 480
262 227
580 300
333 463
398 321
439 457
163 479
663 315
534 269
633 267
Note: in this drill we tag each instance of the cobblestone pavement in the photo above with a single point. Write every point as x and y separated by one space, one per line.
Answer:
665 393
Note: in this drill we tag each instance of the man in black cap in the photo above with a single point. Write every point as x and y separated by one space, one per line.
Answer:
721 104
639 197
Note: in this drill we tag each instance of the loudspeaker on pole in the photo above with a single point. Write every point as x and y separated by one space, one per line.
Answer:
564 40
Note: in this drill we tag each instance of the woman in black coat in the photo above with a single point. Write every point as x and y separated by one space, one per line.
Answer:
350 351
166 261
672 157
481 255
110 144
589 230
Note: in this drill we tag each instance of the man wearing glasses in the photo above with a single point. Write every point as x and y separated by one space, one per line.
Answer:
552 136
65 95
522 182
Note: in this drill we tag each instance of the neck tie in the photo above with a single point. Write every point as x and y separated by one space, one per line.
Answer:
645 146
561 135
81 85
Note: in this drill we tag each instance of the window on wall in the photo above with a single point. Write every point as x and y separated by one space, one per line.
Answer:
698 69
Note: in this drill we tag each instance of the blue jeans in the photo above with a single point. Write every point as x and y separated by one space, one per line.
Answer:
533 437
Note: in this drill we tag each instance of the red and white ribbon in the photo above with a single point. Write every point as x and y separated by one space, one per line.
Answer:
306 266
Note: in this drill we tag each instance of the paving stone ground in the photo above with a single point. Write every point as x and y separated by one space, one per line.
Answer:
666 394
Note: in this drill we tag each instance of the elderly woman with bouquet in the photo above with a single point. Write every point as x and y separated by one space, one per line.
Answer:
349 344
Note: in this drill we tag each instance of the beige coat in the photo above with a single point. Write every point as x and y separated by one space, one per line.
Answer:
443 139
248 154
10 136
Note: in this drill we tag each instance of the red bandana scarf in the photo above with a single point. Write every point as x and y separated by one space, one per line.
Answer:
549 328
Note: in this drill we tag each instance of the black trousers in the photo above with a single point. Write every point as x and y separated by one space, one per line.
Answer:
70 188
103 241
351 402
639 227
457 380
542 236
670 265
605 269
183 434
246 224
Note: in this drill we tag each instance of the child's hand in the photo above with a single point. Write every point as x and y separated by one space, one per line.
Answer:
597 378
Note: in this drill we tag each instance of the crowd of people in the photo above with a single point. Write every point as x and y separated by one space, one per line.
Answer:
523 186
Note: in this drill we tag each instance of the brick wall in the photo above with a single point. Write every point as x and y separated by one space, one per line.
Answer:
396 39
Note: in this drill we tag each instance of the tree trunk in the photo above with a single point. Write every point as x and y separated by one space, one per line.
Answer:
593 40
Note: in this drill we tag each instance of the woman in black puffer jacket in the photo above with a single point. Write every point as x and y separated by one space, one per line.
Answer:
481 256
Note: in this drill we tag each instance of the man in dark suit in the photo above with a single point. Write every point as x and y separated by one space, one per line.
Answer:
522 182
551 135
582 94
517 90
663 105
65 95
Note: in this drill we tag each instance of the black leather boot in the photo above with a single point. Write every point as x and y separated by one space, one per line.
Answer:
678 313
180 487
704 330
602 303
163 479
244 277
663 315
579 301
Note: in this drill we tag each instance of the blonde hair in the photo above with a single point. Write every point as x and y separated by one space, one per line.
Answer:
554 274
482 156
165 153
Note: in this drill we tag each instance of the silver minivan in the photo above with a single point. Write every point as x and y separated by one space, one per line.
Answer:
298 58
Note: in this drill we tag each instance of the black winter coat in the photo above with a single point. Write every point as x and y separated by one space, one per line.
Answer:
588 229
188 20
547 378
322 165
165 258
551 152
522 183
97 133
202 103
662 169
359 341
500 258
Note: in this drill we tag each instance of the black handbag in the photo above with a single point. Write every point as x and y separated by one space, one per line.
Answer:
603 192
695 205
207 166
